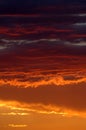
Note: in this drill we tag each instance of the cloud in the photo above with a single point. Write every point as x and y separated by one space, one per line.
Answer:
43 66
17 125
60 98
36 82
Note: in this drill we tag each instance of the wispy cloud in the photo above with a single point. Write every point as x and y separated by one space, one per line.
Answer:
17 125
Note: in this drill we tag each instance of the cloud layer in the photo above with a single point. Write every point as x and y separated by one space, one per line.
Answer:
43 62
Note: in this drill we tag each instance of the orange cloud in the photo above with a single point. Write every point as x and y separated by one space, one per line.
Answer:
66 99
17 125
59 81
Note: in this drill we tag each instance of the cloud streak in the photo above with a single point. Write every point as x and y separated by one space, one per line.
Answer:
57 97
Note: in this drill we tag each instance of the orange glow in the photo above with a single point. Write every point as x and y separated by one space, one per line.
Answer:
38 108
17 126
47 81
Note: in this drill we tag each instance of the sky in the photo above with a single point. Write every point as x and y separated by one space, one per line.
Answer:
42 65
29 6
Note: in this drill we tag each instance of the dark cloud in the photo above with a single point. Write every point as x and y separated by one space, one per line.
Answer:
31 6
67 27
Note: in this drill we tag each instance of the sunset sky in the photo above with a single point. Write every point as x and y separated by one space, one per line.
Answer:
42 65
